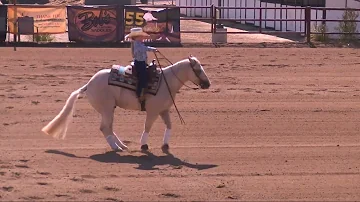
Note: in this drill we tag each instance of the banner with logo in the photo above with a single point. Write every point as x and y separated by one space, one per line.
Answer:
3 22
47 19
163 25
95 23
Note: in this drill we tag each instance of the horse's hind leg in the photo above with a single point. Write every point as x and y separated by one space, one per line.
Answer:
101 98
106 109
106 127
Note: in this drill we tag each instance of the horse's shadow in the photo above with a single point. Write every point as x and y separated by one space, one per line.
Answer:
147 161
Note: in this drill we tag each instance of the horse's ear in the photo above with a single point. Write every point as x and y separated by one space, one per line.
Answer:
192 61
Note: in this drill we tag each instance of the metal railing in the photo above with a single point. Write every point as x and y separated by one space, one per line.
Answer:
307 20
215 19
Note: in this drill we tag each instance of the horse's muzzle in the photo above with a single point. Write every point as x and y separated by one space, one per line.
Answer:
205 84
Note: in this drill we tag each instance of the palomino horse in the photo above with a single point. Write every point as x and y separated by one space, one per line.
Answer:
104 98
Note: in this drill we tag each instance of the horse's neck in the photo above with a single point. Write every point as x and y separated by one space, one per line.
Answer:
178 74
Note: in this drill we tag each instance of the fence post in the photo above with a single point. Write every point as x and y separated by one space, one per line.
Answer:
215 18
260 21
308 23
212 17
15 24
323 16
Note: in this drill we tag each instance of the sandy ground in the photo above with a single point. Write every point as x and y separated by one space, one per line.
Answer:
276 125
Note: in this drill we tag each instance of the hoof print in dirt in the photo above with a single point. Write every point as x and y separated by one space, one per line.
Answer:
111 188
86 191
113 199
43 173
32 198
21 166
61 195
89 176
220 186
24 160
8 189
75 179
232 197
170 195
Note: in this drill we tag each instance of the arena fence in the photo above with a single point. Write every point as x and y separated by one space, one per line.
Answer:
110 23
308 21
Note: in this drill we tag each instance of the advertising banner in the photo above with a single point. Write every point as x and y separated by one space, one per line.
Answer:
47 19
95 23
163 25
3 22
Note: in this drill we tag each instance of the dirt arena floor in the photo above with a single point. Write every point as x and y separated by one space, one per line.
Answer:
276 125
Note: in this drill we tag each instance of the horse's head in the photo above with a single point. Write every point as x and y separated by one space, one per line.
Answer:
197 74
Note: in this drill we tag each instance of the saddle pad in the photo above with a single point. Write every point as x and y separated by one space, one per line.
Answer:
122 77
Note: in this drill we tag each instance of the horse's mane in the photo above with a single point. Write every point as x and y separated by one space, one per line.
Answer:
180 62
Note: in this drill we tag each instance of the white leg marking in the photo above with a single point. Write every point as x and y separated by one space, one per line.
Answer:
112 142
150 119
166 118
144 138
167 135
119 142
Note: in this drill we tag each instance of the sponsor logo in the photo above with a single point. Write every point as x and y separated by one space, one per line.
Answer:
96 23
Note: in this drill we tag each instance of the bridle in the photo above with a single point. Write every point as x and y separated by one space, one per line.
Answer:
195 72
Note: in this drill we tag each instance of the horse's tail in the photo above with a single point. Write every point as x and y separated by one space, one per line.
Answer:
59 125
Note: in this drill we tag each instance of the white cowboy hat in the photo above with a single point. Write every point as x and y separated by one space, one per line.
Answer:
136 31
149 17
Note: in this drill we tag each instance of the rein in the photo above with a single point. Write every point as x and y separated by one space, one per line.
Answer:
172 98
192 67
175 74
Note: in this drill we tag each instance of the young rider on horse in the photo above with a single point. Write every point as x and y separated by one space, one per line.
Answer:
139 53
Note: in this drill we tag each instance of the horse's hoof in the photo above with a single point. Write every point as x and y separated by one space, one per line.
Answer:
144 147
165 148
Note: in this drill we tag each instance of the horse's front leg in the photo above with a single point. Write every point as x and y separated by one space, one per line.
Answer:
165 115
150 119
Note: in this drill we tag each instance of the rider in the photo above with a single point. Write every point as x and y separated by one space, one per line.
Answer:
139 53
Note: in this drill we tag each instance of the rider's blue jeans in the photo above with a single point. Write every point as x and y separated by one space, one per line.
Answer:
140 67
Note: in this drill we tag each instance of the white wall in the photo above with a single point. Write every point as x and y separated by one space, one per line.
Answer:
269 13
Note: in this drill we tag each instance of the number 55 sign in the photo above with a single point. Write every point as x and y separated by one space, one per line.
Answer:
134 18
163 25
